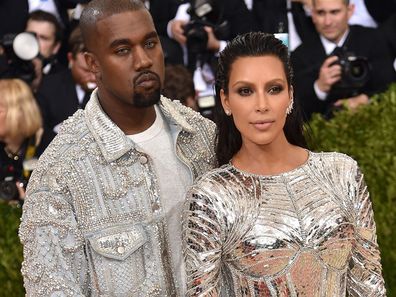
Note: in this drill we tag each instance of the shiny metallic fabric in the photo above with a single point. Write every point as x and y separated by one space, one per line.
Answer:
307 232
93 222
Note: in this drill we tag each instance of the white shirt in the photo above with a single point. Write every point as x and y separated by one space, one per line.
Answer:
361 16
46 5
174 178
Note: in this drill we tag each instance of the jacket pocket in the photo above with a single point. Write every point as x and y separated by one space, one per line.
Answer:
117 258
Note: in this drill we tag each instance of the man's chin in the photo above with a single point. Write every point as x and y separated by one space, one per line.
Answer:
146 99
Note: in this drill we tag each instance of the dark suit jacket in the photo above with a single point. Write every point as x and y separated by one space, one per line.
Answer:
269 13
308 58
57 98
14 14
380 10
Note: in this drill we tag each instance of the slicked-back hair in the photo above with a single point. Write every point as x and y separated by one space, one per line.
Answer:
100 9
252 44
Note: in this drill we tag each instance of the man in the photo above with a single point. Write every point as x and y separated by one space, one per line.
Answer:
317 67
62 93
49 34
102 213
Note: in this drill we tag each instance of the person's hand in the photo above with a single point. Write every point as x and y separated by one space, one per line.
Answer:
177 29
213 43
38 66
329 74
353 102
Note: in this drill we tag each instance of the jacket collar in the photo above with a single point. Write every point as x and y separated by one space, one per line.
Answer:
111 140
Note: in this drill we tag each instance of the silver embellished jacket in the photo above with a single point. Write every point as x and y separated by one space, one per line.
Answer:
92 222
307 232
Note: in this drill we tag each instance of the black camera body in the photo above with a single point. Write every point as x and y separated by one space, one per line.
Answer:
355 73
18 52
203 13
8 190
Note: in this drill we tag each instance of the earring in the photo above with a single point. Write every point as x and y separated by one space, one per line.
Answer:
290 107
227 112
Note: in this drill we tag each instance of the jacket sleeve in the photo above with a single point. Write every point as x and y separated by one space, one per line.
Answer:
53 247
202 244
364 272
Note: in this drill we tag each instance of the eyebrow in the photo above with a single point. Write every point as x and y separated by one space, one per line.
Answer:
123 41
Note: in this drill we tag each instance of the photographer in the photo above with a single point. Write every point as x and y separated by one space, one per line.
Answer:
342 65
202 28
20 131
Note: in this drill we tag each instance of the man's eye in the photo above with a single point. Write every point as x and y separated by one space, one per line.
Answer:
150 44
244 91
122 51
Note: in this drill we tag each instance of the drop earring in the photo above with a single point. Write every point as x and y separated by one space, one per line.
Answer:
290 107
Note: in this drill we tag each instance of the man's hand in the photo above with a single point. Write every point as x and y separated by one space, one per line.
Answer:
353 102
213 43
329 74
177 29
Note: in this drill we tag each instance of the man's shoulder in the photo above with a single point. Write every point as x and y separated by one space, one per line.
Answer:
180 112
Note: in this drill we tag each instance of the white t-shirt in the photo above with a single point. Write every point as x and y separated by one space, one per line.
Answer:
174 178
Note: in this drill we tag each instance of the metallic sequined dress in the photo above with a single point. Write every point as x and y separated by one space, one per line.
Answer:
306 232
93 221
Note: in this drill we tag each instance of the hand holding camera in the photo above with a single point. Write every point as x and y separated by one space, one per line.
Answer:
329 73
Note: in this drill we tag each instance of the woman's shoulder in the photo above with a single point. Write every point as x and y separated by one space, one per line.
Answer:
333 160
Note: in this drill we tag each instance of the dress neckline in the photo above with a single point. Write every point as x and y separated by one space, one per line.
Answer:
281 174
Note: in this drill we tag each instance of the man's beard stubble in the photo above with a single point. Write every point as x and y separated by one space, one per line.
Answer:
143 98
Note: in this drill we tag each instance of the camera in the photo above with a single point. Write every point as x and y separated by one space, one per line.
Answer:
355 72
203 13
16 54
8 190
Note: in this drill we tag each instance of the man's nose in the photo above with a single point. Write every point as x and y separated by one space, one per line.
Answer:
141 59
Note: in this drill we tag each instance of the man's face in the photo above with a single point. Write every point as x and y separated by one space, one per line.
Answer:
80 71
45 32
331 18
127 59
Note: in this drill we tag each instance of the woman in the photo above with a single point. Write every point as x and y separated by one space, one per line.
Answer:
20 131
275 219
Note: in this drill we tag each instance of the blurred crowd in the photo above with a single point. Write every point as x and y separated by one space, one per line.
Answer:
342 52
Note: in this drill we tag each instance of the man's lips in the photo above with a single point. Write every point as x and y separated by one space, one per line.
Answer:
146 80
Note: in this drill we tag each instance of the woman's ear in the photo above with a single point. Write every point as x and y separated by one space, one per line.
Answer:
224 101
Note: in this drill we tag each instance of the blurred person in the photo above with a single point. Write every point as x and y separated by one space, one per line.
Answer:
61 94
324 82
112 183
179 85
283 16
162 11
275 218
49 34
20 135
203 33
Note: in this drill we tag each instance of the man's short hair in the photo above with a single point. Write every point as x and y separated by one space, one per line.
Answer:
76 42
43 16
100 9
346 2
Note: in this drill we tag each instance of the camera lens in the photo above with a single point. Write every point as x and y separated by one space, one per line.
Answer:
8 190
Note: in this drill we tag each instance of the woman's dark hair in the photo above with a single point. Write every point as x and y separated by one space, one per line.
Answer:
252 44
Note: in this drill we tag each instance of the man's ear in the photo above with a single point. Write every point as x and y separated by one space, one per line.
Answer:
56 48
92 62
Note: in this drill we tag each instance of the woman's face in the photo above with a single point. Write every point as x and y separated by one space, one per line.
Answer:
258 96
3 114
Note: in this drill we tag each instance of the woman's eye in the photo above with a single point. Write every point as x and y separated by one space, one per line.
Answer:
244 91
275 89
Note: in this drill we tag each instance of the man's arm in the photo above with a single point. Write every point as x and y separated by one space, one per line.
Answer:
54 260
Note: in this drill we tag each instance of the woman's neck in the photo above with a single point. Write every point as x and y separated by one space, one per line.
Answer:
269 159
13 146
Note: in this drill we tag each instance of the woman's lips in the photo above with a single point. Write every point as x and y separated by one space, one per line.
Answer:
263 125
